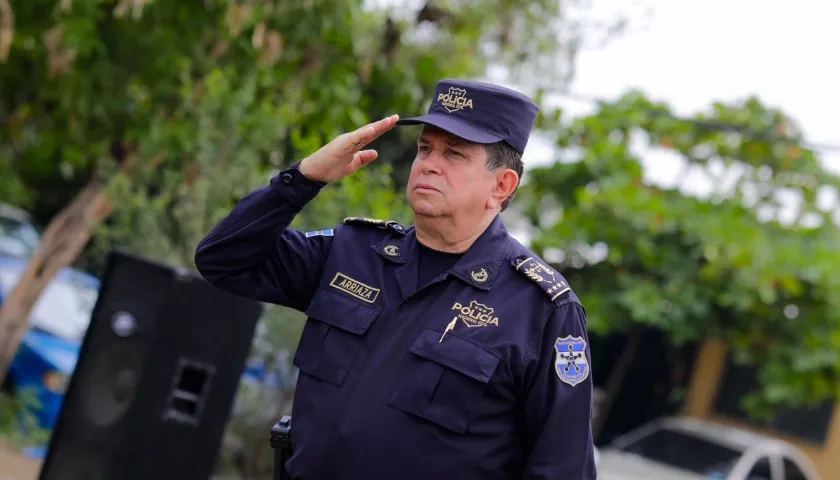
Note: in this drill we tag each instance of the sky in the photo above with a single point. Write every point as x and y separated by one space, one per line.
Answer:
691 53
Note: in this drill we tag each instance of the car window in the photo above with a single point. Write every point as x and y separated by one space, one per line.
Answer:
761 470
17 238
685 451
793 472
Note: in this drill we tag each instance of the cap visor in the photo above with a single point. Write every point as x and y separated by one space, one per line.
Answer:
454 126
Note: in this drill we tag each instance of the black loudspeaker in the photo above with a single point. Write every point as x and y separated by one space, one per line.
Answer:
156 379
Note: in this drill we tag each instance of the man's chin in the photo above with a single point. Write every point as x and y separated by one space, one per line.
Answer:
422 208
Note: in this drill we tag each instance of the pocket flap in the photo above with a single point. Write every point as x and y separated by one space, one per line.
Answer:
342 312
459 353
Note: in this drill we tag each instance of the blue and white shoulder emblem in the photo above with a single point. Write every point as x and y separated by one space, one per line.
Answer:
320 233
571 364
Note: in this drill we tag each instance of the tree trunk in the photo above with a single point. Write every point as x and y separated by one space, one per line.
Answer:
617 377
65 237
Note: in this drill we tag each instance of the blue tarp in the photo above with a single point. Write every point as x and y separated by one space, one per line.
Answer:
60 353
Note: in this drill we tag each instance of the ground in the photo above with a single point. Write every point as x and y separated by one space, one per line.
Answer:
14 466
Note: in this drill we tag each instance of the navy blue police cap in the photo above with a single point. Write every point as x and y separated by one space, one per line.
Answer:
480 112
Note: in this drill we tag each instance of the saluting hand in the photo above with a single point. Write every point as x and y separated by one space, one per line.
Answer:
344 155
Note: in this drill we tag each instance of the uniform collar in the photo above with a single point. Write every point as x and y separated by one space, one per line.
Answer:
479 266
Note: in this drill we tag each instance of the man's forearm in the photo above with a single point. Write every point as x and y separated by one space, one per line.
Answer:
243 242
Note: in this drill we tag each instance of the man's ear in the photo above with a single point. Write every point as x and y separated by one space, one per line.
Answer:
506 182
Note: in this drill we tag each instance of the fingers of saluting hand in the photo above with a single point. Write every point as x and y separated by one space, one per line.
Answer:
370 132
360 159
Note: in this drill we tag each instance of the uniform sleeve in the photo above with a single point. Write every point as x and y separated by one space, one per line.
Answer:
558 401
253 253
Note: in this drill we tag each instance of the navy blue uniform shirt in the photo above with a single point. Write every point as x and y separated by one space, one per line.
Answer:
483 373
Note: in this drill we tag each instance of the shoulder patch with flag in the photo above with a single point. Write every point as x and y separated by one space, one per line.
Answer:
570 363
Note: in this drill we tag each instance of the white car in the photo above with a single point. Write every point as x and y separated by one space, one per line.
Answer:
681 448
18 237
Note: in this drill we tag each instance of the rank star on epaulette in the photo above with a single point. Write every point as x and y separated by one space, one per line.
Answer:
375 222
545 277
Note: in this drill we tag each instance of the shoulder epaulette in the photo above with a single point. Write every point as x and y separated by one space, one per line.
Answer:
375 222
548 279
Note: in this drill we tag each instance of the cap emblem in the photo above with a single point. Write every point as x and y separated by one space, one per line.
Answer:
455 100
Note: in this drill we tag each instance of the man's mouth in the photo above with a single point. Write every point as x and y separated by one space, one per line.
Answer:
425 188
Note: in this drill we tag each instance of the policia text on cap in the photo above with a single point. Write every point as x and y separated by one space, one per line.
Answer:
440 350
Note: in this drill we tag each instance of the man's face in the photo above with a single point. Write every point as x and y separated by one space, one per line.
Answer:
449 177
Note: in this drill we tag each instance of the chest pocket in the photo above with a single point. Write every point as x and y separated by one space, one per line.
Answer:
445 381
333 335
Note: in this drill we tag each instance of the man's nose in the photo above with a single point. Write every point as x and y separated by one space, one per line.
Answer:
431 164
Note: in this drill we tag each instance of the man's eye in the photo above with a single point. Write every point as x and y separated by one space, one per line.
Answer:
453 152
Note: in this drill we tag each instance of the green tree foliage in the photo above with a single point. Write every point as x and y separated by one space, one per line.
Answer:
727 264
87 83
18 423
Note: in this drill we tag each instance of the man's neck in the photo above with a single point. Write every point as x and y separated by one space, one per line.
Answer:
444 234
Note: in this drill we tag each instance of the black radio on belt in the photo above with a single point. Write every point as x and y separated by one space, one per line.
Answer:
281 442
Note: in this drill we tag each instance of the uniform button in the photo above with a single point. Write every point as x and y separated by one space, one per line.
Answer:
287 178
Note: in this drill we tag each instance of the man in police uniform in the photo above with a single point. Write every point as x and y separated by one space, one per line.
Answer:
441 350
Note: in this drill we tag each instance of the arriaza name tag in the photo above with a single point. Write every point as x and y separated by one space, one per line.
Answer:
354 287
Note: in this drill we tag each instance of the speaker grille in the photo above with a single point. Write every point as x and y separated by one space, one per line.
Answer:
112 382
